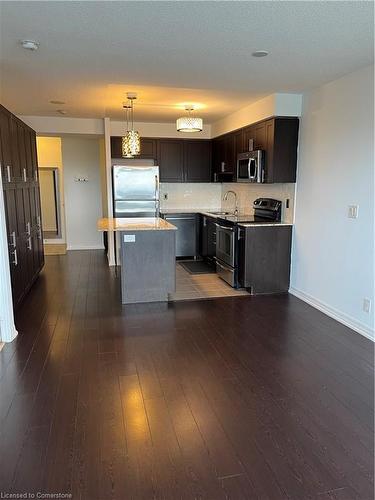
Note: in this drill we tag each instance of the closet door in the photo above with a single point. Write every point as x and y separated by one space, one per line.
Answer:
14 245
6 149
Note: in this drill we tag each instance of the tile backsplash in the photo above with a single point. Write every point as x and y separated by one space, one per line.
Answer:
210 196
190 195
247 193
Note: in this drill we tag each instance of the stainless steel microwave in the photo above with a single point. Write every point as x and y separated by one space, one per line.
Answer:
250 166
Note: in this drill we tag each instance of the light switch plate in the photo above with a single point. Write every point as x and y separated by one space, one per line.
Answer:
353 211
366 305
129 238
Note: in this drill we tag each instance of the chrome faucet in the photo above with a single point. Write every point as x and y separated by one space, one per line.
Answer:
225 197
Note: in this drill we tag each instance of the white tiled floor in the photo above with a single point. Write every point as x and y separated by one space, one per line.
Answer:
201 286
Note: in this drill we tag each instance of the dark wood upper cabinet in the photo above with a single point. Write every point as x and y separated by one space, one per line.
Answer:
197 160
14 141
6 147
224 160
281 149
171 160
116 147
148 147
248 134
179 160
277 137
200 160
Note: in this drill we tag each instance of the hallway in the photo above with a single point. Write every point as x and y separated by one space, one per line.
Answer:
241 398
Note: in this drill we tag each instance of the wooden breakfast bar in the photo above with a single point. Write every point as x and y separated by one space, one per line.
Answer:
148 257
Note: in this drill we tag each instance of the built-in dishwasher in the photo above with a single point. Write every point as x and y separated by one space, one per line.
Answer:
186 234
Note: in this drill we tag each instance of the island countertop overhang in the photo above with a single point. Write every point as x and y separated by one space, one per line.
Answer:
135 224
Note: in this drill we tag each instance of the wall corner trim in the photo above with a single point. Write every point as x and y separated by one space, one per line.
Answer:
334 313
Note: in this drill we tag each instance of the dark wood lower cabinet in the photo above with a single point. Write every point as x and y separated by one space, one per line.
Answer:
207 238
264 258
19 166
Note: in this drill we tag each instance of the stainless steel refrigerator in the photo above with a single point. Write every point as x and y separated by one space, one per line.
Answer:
135 191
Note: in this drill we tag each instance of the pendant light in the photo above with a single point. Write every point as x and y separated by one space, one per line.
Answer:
189 123
132 138
125 150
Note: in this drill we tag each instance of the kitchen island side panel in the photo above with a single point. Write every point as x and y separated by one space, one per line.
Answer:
148 265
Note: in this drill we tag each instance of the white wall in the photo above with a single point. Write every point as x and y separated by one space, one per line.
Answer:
272 105
83 200
333 256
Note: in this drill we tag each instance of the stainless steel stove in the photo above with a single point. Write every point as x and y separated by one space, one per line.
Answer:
266 210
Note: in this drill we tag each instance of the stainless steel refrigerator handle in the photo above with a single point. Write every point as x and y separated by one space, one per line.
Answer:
157 203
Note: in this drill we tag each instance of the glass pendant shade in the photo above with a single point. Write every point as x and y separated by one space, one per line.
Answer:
125 148
189 124
133 142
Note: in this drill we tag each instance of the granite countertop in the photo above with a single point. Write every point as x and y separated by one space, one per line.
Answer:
135 224
189 210
261 224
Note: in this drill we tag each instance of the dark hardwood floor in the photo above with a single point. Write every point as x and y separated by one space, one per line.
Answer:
241 398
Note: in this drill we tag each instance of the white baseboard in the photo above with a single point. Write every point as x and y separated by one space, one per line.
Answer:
334 313
85 247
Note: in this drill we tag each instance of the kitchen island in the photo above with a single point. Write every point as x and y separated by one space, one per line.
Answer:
148 257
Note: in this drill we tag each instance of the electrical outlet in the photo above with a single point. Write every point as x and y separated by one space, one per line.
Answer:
353 211
166 196
366 305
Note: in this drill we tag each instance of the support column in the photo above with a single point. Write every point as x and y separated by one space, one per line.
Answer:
8 330
108 167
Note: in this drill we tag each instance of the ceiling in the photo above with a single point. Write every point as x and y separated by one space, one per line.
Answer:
174 53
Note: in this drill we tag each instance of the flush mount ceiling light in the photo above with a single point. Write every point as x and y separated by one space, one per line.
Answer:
189 123
260 53
131 142
30 44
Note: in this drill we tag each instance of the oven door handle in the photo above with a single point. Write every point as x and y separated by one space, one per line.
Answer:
231 229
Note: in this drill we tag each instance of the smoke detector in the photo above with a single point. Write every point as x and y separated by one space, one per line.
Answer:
30 44
260 53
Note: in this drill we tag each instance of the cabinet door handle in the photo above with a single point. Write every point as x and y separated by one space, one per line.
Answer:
24 175
28 235
13 242
36 175
9 173
15 258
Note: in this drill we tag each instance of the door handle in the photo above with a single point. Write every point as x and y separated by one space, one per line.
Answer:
15 258
9 173
13 242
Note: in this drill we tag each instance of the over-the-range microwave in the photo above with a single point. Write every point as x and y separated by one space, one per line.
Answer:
250 166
